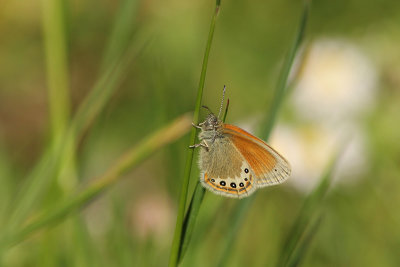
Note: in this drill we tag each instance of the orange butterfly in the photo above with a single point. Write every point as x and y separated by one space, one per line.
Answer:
233 162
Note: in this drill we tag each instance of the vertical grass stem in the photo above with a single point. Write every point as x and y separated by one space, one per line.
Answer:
177 239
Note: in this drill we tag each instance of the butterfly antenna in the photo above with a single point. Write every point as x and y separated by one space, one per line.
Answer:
207 108
222 101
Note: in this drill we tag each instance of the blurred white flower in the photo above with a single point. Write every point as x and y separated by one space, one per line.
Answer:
310 149
337 81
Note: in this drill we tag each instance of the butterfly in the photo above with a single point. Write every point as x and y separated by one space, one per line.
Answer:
235 163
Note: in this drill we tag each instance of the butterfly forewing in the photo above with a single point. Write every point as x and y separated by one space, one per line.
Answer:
268 166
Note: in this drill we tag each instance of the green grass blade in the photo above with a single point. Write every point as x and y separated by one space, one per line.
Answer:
238 217
56 65
58 85
126 162
104 88
122 32
83 251
193 210
190 218
312 204
177 240
7 187
244 205
119 239
284 74
302 249
47 167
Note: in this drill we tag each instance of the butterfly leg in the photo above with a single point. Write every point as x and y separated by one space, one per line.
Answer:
202 144
196 126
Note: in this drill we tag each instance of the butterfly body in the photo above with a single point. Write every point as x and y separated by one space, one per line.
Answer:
235 163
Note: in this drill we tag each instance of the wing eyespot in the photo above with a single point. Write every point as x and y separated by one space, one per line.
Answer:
229 188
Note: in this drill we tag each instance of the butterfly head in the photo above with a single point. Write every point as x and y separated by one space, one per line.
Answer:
211 123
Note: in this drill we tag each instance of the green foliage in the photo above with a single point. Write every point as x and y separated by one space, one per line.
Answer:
307 222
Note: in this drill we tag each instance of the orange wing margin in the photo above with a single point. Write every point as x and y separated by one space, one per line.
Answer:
240 193
259 158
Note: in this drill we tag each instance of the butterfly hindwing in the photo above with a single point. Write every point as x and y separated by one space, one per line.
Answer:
237 187
225 171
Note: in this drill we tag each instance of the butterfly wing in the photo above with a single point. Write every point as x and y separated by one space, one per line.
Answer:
225 171
267 165
235 187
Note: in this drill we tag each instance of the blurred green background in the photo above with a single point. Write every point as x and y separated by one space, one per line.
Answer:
344 91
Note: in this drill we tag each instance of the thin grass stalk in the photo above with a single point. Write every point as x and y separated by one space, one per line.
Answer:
126 162
121 33
239 215
282 85
311 207
194 209
6 188
120 239
300 251
190 218
56 65
177 240
58 85
244 205
104 88
76 231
